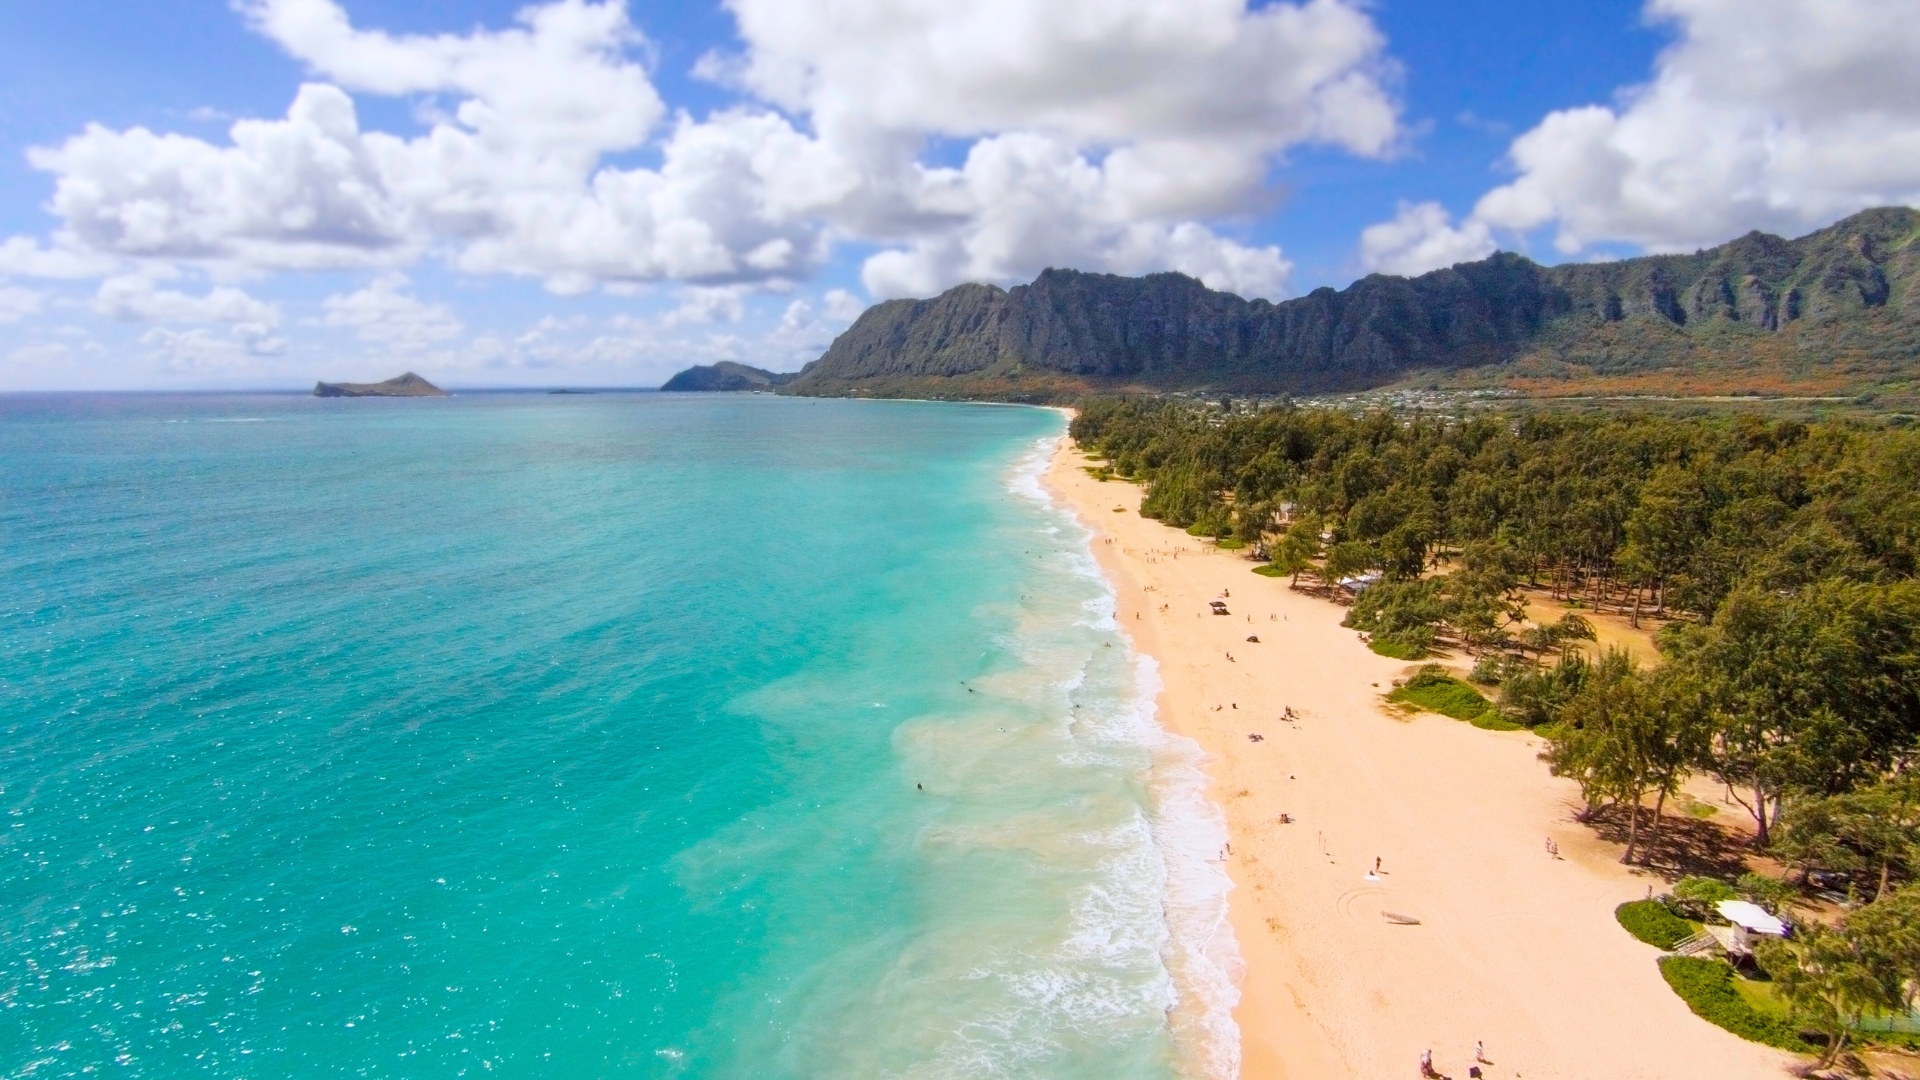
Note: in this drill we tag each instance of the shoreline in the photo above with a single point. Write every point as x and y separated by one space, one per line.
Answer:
1514 947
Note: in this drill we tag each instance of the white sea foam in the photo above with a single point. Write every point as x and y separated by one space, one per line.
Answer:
1163 887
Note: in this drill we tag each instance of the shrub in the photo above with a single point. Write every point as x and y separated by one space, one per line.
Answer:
1399 610
1436 691
1494 668
1534 697
1653 923
1707 988
1395 648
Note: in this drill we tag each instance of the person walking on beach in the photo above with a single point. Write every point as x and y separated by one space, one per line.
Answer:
1480 1052
1426 1064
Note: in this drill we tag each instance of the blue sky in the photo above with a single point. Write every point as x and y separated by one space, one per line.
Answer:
585 192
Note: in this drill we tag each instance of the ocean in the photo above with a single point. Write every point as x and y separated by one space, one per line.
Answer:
617 735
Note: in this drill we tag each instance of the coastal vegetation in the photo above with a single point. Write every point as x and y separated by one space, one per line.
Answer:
1777 558
1773 564
1710 990
1654 923
1436 691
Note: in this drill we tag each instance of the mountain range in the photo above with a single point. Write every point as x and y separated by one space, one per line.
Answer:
1836 312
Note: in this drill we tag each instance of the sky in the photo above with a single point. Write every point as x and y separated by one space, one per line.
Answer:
204 194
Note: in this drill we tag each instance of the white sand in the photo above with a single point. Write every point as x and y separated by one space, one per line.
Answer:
1514 947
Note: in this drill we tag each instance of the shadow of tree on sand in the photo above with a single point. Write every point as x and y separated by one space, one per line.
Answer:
1686 846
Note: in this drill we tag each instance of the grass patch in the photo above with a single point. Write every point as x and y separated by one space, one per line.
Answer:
1653 923
1270 570
1694 808
1230 544
1761 998
1399 650
1436 691
1707 986
1101 474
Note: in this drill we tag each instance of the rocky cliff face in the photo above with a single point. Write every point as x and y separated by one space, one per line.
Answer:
1858 281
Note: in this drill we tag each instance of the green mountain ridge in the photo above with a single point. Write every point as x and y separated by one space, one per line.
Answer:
1835 311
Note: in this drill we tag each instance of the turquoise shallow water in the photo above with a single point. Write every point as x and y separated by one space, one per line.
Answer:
618 735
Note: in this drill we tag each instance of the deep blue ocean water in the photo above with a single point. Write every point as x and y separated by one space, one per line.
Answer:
575 736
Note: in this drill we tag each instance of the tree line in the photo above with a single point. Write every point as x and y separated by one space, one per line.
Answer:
1780 554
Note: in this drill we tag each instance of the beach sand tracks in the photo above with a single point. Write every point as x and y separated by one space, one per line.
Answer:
1366 904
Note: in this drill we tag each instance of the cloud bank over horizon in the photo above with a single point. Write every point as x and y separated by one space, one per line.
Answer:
900 145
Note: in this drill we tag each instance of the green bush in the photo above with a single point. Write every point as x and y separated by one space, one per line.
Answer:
1707 988
1436 691
1399 650
1407 611
1534 697
1494 668
1652 922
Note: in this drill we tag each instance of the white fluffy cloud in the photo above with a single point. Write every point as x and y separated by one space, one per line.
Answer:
200 351
1024 202
250 323
842 306
1104 133
1772 114
1110 72
137 298
17 303
23 256
305 191
512 181
1422 237
385 313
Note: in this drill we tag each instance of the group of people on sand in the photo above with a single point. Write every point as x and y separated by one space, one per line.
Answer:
1428 1072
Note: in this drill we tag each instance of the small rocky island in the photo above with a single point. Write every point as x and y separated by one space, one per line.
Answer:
726 376
408 385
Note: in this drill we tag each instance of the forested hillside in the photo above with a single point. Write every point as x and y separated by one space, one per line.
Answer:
1837 311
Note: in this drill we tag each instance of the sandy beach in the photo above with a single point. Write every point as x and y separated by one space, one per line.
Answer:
1513 947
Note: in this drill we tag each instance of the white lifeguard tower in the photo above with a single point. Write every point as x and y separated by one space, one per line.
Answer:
1745 921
